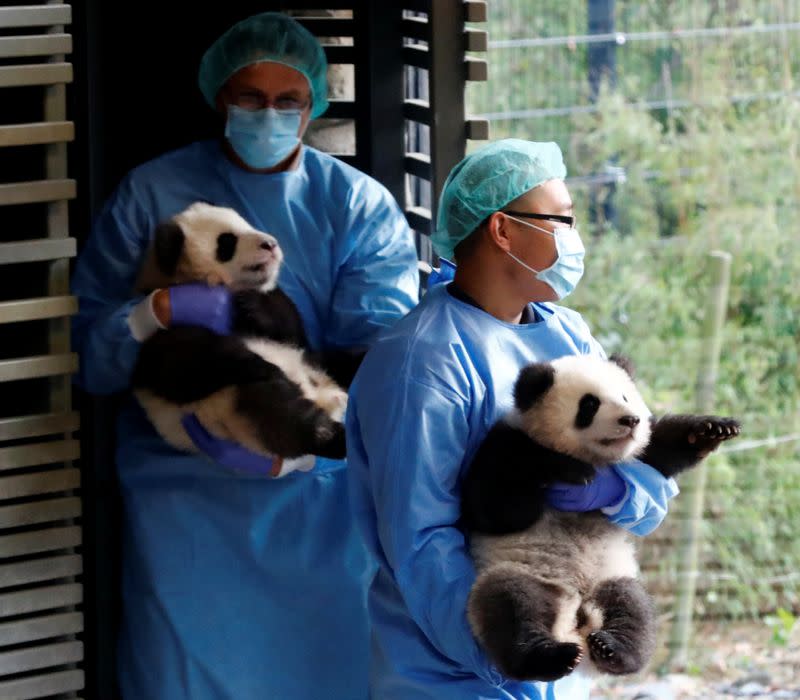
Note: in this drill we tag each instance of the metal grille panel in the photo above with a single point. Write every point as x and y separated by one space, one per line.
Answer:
40 531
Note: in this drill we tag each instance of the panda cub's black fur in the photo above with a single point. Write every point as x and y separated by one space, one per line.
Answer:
259 386
552 585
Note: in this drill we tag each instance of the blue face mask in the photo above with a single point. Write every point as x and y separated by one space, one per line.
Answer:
263 138
565 273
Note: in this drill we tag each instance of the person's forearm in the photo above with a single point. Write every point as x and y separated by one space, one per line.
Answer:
161 306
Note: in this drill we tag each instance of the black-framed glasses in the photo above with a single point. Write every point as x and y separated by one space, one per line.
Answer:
558 218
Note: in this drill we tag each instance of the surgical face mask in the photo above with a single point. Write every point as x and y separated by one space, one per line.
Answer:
565 273
262 138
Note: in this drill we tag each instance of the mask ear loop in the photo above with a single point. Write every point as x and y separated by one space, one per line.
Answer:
527 267
538 228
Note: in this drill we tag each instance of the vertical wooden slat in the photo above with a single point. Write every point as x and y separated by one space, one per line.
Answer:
380 144
446 86
55 110
437 41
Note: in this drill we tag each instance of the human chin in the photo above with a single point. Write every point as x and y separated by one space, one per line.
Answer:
541 291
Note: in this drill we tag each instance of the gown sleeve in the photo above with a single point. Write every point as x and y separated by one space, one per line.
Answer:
378 278
104 281
408 442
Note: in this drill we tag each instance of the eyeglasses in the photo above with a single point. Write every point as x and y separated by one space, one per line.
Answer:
559 218
256 100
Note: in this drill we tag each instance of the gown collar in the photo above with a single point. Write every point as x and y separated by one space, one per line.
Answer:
529 313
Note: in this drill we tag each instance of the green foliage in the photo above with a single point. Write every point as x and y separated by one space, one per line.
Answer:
781 624
717 170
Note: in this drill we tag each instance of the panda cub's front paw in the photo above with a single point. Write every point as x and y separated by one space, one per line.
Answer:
705 433
332 441
578 473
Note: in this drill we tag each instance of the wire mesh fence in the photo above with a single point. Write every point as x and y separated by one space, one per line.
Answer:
680 122
548 58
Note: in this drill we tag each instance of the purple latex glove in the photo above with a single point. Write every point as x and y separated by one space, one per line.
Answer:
229 454
197 304
607 489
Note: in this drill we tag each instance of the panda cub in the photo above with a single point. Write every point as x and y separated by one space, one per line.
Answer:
259 386
553 585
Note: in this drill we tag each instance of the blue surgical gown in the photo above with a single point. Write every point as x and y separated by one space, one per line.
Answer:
411 433
238 587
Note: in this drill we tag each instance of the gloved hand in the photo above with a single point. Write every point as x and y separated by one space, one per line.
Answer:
229 454
235 456
607 489
196 304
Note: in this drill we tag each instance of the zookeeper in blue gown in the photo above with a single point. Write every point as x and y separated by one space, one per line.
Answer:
426 395
237 586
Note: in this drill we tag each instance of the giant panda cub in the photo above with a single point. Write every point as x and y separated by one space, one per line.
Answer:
259 386
552 585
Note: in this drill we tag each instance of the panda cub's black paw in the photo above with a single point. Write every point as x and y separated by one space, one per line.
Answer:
549 662
332 443
608 653
578 473
705 433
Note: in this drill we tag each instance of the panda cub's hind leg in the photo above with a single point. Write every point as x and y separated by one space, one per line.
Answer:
287 423
513 615
626 640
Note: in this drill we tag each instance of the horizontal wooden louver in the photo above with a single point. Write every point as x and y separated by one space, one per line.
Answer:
40 598
37 308
22 485
34 367
36 74
42 686
32 134
36 425
43 627
41 511
15 46
37 570
35 192
34 454
35 15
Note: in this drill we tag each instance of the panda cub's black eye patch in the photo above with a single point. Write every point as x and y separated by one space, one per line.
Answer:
226 246
587 409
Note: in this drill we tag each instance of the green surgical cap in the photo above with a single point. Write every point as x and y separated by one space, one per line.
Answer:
269 36
488 179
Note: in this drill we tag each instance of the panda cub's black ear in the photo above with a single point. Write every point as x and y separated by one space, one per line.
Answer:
624 362
533 381
168 246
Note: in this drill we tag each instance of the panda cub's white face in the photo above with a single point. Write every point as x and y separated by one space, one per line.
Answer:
220 247
589 408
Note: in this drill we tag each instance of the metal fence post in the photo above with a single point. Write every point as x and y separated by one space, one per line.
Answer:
694 484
